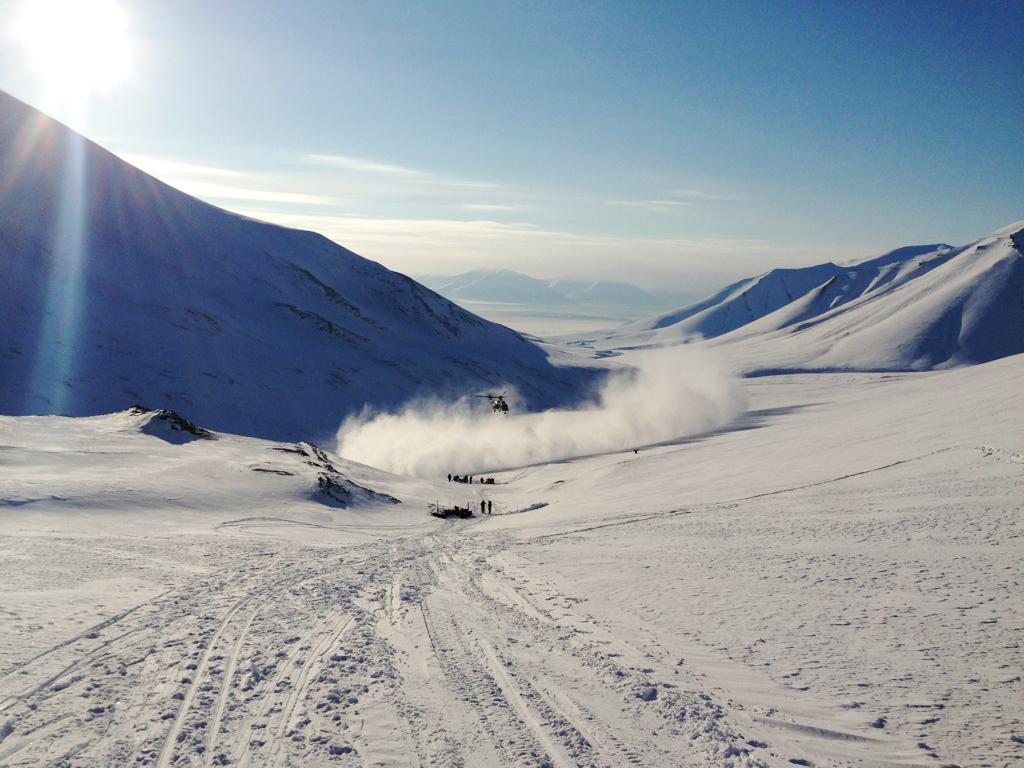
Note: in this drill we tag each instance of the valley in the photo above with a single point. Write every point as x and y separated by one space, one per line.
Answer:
812 584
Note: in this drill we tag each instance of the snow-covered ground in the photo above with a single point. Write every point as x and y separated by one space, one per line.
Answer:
833 578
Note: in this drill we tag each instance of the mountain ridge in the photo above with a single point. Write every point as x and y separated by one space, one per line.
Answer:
914 308
118 288
747 299
509 286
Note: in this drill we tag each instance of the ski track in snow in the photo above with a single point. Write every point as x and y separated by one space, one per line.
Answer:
859 610
290 672
471 659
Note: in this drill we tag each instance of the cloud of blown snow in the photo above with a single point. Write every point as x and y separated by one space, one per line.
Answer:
670 393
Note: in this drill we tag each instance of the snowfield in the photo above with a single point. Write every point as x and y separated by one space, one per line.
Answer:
831 578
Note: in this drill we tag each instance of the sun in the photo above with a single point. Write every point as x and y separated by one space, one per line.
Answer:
76 46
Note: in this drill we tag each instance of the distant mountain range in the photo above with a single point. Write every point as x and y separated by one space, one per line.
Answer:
509 287
914 308
117 289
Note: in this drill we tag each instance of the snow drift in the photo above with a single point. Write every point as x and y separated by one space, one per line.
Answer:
671 393
118 289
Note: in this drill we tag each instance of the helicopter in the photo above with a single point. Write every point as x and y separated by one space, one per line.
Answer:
498 404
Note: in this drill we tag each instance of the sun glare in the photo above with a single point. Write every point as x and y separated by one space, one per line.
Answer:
77 46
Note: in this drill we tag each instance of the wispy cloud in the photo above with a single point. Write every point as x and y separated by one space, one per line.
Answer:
659 206
406 232
470 234
411 176
450 245
492 207
702 195
433 231
214 191
219 184
162 167
675 200
488 224
365 166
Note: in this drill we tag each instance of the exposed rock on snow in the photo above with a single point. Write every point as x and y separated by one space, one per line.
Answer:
647 693
331 487
167 425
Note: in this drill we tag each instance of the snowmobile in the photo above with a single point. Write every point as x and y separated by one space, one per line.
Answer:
448 512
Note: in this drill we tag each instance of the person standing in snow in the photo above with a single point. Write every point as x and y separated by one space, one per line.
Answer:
489 506
449 477
483 507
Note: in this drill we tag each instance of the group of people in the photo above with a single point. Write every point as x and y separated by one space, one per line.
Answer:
486 506
469 479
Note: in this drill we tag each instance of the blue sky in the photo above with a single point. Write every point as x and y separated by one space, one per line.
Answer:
669 144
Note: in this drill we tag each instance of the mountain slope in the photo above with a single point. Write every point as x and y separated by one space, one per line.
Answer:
116 288
747 300
915 308
968 308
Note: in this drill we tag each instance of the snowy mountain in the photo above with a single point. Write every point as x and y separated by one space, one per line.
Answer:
915 308
118 289
614 293
503 285
951 308
498 285
749 299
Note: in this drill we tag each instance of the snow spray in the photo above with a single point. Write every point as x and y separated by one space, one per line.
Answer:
669 393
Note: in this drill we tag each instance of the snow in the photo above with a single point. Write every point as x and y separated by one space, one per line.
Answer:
163 300
966 309
747 300
915 308
688 568
830 579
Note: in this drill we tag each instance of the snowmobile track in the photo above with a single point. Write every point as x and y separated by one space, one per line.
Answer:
331 633
83 634
468 674
539 716
225 687
167 752
328 631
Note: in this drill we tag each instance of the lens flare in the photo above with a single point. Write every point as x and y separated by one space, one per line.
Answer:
54 361
77 46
